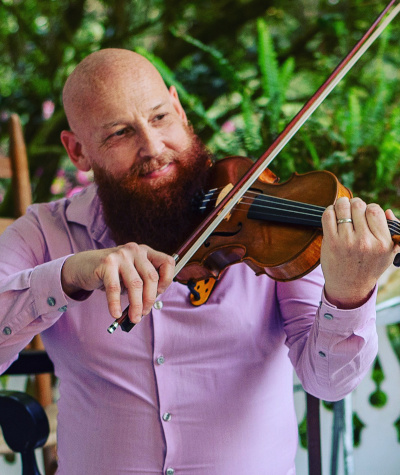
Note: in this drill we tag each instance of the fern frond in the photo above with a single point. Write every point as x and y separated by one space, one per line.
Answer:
353 130
267 61
312 150
226 70
252 133
285 76
274 82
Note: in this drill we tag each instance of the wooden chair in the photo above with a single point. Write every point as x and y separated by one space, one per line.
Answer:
25 424
15 167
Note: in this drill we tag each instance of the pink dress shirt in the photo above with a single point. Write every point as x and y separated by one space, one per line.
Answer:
190 390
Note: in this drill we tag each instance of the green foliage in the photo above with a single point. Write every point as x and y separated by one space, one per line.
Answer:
303 432
3 381
378 398
192 102
358 427
393 332
397 426
242 70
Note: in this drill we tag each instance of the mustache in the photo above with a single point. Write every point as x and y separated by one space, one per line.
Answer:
152 165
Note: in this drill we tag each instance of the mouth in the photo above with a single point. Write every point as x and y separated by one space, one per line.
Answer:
159 172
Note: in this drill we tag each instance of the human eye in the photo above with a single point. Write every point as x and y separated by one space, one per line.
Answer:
120 132
160 116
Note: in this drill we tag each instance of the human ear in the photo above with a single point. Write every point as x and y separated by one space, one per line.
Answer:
177 104
74 150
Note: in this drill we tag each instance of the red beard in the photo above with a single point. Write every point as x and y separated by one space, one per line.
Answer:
160 216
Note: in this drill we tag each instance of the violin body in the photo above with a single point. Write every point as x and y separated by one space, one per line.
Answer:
283 250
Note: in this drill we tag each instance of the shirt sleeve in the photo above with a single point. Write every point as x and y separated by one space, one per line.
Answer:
331 349
31 295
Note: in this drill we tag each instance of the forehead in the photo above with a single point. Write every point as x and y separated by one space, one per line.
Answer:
114 89
127 91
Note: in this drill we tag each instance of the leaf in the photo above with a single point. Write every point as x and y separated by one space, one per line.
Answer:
191 100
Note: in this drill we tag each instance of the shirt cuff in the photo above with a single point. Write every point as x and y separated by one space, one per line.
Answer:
346 321
48 295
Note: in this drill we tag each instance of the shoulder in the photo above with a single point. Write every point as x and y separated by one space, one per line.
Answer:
81 208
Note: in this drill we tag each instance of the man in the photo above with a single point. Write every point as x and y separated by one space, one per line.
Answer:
191 389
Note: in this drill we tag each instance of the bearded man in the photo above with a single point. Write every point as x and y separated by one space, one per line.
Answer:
191 390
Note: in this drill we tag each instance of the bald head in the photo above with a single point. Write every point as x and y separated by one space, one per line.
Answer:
101 72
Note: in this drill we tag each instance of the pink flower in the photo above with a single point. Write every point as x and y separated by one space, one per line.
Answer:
228 127
58 186
47 109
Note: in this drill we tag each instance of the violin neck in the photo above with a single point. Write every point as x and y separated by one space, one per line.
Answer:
280 210
394 228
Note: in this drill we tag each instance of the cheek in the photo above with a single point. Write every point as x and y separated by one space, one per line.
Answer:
115 161
178 139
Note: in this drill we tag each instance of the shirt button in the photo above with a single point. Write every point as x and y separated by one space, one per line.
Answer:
322 354
161 359
167 416
170 471
51 301
158 305
328 316
7 331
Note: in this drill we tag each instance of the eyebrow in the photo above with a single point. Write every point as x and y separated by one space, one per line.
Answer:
109 125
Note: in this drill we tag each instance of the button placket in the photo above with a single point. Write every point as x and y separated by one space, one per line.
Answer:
161 371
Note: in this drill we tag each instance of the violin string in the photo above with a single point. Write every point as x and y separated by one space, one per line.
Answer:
293 206
255 193
272 203
394 226
250 192
296 208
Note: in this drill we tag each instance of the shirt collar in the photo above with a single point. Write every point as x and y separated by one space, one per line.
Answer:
85 208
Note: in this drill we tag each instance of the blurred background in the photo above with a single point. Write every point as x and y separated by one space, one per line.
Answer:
243 69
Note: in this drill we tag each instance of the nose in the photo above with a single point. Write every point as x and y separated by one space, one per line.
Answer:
151 143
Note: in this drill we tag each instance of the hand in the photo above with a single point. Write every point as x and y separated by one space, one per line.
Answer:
355 254
136 269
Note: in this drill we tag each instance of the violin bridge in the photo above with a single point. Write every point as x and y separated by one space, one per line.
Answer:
222 195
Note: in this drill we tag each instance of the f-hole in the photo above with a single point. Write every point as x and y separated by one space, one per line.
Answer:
224 234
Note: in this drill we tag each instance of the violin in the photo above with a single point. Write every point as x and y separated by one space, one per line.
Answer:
273 227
